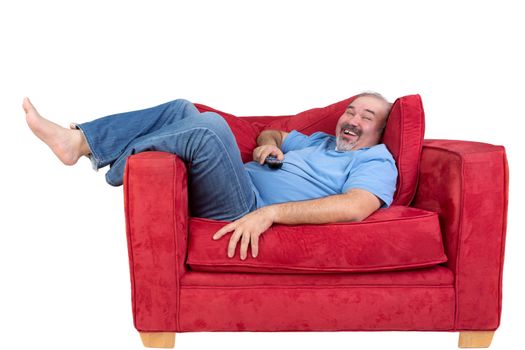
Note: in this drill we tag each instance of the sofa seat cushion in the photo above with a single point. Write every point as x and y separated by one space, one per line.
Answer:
395 238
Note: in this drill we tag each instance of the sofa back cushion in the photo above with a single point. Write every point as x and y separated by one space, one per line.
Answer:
403 134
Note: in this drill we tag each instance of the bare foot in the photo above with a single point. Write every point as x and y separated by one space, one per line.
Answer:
68 145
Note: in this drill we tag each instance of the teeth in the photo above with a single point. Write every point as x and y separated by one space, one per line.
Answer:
348 132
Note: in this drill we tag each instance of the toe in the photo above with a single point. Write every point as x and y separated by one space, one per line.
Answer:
26 105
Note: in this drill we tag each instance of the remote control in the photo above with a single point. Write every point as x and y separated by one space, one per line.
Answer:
273 162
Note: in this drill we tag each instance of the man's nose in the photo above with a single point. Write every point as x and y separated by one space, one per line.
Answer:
354 121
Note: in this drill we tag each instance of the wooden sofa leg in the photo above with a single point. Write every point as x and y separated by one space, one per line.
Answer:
158 339
477 339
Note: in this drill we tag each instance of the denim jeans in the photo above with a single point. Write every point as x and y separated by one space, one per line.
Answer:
219 187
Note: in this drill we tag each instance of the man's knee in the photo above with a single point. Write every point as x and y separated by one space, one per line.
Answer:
179 103
215 123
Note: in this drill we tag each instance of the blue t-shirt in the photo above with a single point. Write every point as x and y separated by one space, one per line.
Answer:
312 168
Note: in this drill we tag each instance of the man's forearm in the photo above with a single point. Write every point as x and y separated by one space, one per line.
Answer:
354 205
270 137
334 208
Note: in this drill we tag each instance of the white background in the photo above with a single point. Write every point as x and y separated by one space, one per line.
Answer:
64 275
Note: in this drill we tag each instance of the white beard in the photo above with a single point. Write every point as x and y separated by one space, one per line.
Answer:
342 145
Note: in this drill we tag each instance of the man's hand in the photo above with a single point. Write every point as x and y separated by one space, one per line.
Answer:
247 229
260 153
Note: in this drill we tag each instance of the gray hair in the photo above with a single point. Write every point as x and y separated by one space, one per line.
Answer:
376 95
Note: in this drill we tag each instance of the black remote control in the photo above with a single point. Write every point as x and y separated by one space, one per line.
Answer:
273 162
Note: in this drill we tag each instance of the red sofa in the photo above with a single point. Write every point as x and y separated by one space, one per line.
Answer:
431 262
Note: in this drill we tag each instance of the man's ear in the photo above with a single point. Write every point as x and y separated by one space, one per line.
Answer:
383 127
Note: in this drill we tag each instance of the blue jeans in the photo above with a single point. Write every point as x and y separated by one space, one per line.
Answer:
219 187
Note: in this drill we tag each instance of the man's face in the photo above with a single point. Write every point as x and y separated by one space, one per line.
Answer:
361 124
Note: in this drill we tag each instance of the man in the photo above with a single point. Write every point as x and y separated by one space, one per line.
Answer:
324 178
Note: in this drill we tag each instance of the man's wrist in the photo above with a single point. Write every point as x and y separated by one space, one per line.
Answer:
272 211
269 137
268 142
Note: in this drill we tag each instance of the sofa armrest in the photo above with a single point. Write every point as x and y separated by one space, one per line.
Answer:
466 183
156 206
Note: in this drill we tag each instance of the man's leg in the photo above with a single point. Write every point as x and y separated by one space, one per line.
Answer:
219 186
105 138
109 136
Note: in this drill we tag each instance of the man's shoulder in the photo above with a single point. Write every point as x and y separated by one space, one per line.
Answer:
314 135
378 151
321 137
301 140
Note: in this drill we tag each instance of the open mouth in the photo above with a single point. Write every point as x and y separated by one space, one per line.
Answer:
349 131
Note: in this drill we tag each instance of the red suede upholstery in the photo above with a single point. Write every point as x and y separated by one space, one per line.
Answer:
390 239
403 136
421 299
467 184
156 204
464 183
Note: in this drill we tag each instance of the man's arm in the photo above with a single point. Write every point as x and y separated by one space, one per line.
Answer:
269 142
271 137
354 205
